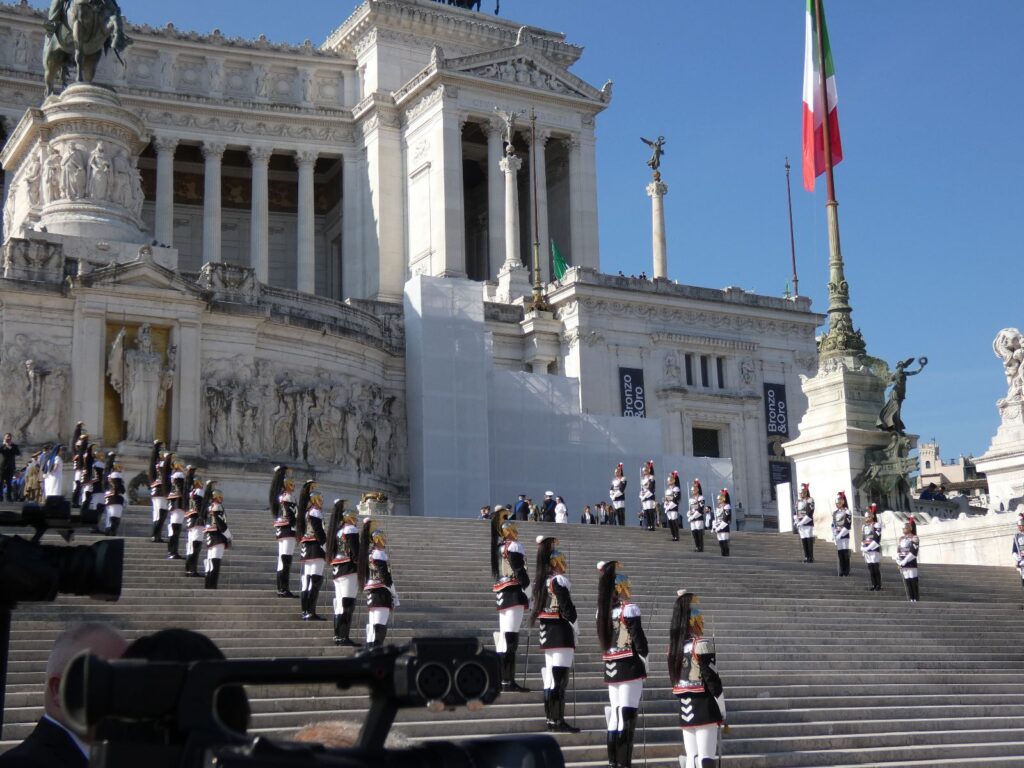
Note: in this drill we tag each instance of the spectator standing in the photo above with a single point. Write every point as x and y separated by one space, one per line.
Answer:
32 486
521 511
561 511
549 507
587 518
9 453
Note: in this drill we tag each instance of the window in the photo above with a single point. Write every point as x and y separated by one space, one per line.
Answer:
688 360
720 365
704 371
927 465
705 443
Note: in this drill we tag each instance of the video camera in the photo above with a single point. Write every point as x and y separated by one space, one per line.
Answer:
169 714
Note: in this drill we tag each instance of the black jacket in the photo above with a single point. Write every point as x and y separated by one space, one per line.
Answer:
8 458
46 747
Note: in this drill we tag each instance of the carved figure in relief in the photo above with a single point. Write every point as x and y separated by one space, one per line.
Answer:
46 389
522 72
1009 347
34 382
507 71
672 375
73 177
122 176
31 180
307 84
261 88
747 371
20 49
52 176
142 380
100 171
215 76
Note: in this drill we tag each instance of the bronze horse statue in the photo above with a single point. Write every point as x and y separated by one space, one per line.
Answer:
88 29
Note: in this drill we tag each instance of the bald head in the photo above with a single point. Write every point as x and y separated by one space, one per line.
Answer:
96 638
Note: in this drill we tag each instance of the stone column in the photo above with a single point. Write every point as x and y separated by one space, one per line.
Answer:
305 273
510 165
213 153
188 391
495 209
259 244
353 258
543 228
164 226
575 198
657 190
453 199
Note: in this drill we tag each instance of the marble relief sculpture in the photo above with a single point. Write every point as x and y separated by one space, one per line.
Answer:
34 379
1009 347
142 380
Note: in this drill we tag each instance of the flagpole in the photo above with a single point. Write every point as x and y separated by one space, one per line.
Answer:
841 339
792 238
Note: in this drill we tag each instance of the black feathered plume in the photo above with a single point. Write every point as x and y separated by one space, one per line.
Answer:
276 488
605 599
335 526
204 506
363 569
154 457
545 544
677 632
304 497
496 522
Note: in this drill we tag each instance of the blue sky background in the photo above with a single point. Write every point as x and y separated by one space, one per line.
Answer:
930 191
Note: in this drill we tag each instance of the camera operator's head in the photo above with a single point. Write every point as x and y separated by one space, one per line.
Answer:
96 638
232 705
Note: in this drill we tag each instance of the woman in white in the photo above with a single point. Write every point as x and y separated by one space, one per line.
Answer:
561 511
53 472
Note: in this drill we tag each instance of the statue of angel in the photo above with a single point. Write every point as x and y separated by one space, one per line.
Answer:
658 149
508 133
890 418
1009 347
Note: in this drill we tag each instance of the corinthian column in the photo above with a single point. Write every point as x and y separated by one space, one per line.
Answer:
213 153
164 225
657 190
510 165
305 272
543 228
495 210
259 244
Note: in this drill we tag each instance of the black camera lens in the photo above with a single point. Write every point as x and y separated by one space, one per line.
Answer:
433 681
471 680
39 572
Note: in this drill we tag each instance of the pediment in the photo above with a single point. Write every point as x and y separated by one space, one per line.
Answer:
143 273
525 67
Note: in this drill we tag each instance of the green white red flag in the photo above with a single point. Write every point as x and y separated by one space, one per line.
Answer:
814 110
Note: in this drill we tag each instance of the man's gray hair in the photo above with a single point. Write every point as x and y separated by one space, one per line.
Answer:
70 642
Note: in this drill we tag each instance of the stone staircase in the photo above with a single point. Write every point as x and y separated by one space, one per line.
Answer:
818 671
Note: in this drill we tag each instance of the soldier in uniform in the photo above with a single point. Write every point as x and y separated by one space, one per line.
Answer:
159 482
695 514
177 500
842 522
805 522
113 497
648 502
695 682
343 555
95 487
673 494
376 581
906 559
282 509
624 653
871 547
218 537
195 521
312 537
722 523
79 445
553 607
617 494
1018 550
508 569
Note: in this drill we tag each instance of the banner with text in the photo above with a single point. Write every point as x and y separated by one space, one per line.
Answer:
631 392
776 417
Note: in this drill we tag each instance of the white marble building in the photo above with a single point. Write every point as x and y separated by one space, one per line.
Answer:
309 209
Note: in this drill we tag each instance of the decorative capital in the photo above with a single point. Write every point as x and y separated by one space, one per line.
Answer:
493 127
165 144
510 164
306 157
260 154
213 149
657 189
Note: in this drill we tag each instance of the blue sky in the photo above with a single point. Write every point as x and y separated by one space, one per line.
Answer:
930 191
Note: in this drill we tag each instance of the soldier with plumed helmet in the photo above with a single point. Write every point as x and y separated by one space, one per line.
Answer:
376 581
692 668
648 501
218 536
312 537
282 510
673 494
906 558
1018 548
554 609
511 580
195 521
343 555
695 514
842 523
177 501
805 521
722 524
113 502
159 487
624 652
871 547
617 495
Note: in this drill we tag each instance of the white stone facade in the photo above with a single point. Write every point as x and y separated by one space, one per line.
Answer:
296 197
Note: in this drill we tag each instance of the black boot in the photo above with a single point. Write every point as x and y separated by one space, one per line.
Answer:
561 675
192 561
115 523
380 633
213 575
724 546
286 563
172 542
625 745
803 546
673 526
810 549
613 743
549 707
158 527
696 540
314 592
280 583
508 677
909 589
304 603
76 495
348 607
916 584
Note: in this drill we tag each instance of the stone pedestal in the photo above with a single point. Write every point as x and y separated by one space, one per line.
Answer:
837 434
541 342
1003 462
75 169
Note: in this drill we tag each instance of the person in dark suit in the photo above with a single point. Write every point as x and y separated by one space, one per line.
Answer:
52 744
521 511
548 515
9 453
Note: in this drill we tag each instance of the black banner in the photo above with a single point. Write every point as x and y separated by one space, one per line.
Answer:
631 392
779 472
776 414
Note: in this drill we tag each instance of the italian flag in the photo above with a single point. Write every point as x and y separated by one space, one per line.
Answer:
814 110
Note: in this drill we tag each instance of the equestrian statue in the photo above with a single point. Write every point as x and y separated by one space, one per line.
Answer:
80 31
